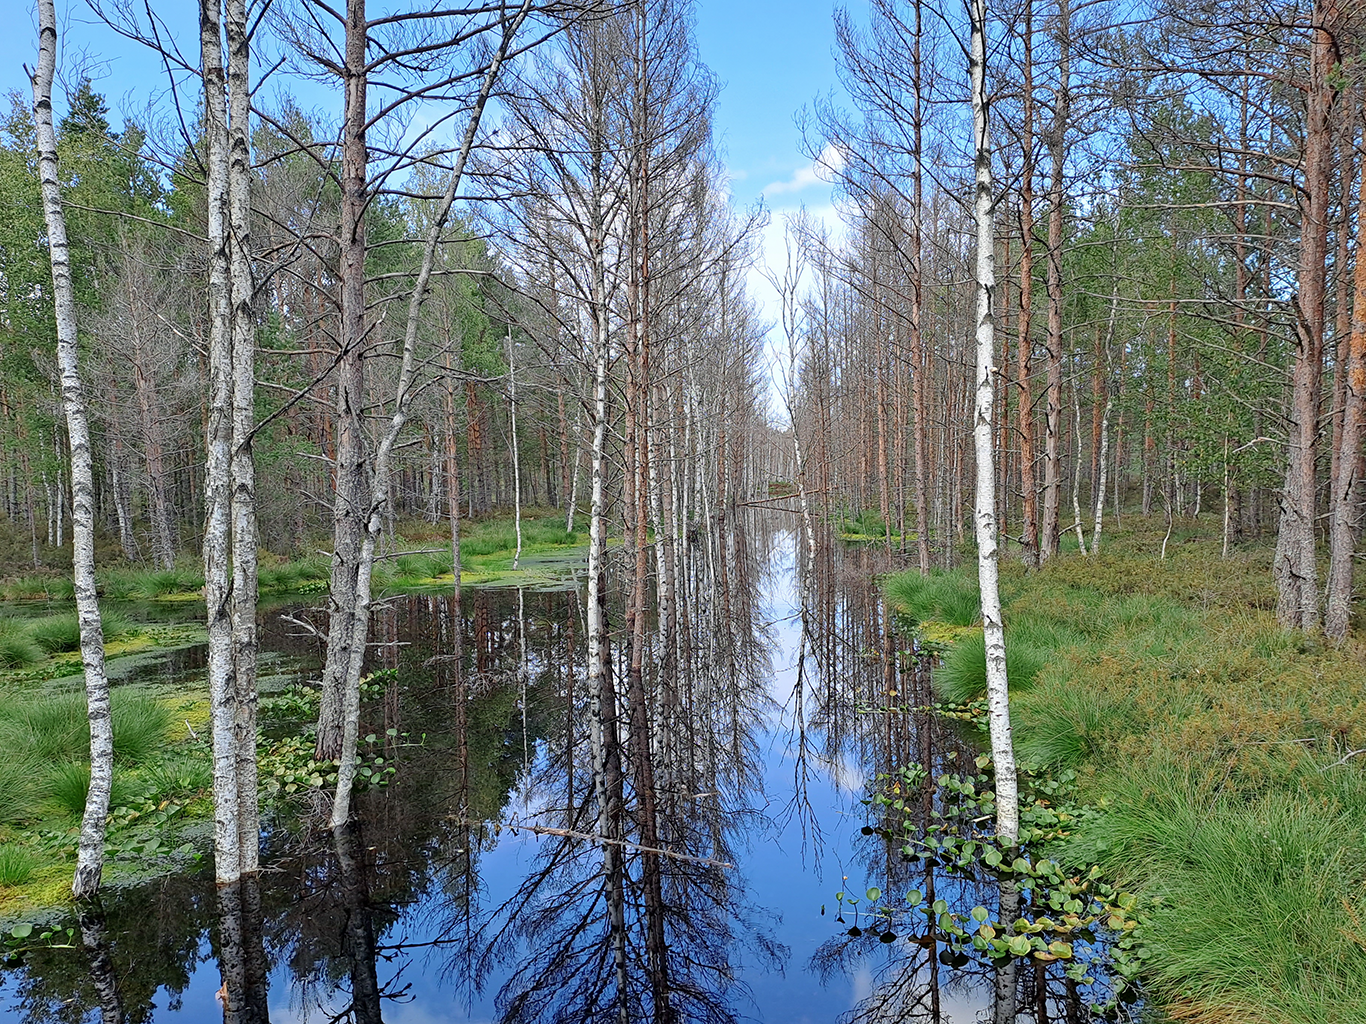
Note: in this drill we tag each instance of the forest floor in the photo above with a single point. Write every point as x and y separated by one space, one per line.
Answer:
1215 757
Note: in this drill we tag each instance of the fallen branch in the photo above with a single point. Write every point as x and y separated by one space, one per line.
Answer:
542 830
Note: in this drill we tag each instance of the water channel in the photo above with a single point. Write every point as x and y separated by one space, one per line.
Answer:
474 886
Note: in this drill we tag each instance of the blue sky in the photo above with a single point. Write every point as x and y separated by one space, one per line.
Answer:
770 58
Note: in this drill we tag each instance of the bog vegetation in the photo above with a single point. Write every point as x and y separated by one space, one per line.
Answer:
251 346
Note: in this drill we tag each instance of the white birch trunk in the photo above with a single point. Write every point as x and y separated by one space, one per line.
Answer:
1076 470
984 511
90 848
516 456
218 444
1104 469
242 467
1099 496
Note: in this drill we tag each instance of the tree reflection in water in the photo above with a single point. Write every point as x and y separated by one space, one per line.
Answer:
630 910
633 910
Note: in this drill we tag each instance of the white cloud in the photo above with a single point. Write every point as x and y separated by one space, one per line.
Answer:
820 171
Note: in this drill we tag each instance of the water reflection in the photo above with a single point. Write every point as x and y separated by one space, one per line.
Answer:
669 866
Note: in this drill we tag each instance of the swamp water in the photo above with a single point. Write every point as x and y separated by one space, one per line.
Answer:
472 887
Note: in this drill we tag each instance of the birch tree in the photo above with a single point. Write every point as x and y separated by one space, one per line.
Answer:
984 513
229 476
90 846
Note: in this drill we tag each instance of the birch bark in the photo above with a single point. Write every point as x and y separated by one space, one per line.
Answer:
90 847
984 512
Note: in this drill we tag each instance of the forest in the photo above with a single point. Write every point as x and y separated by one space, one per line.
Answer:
410 446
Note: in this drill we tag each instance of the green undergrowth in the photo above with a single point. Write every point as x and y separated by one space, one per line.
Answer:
417 556
1218 749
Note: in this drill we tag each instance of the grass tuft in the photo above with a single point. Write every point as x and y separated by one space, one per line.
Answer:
55 728
57 634
181 775
17 648
1256 900
962 675
69 785
22 786
940 597
16 865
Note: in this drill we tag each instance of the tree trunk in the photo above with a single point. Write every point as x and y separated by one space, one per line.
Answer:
90 846
1057 148
1346 482
1297 597
984 512
242 466
1024 344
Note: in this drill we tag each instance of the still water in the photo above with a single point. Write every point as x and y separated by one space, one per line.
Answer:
475 886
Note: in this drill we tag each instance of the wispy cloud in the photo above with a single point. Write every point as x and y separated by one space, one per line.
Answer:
820 171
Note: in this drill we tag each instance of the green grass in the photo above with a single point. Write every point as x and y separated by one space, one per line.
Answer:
69 784
17 648
1200 733
1256 899
16 865
290 577
962 674
180 775
22 786
949 597
57 634
149 584
55 728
